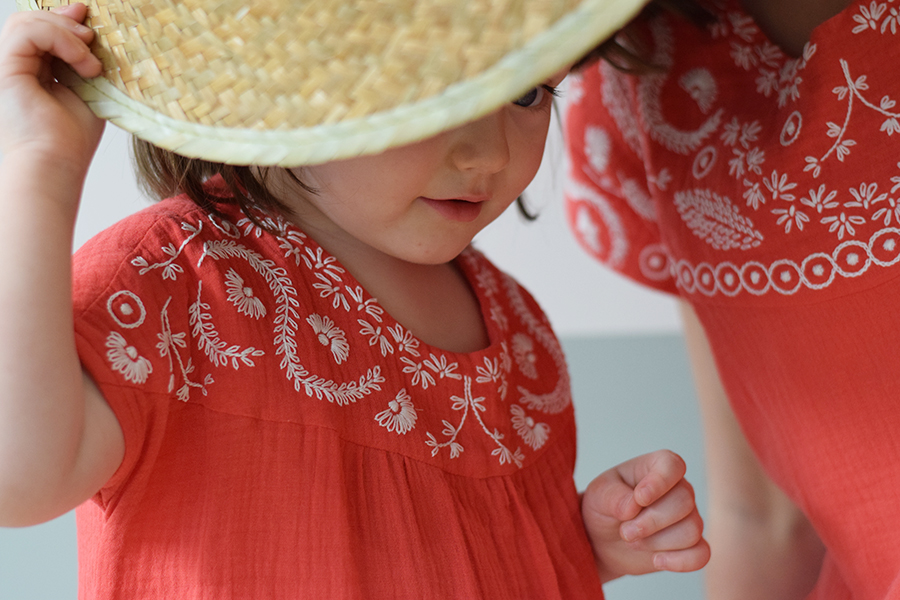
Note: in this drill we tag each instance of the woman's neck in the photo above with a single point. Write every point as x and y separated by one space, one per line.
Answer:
790 23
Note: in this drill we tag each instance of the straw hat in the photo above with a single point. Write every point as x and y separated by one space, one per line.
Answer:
293 82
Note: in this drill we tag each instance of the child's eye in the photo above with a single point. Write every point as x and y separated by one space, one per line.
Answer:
535 96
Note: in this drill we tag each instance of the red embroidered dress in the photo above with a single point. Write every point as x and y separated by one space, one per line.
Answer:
286 438
765 190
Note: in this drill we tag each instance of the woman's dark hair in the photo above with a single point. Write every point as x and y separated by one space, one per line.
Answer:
163 173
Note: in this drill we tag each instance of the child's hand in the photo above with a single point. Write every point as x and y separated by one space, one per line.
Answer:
641 517
37 114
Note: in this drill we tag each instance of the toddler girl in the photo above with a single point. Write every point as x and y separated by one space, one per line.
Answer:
297 379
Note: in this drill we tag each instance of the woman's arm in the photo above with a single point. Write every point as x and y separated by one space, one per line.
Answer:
762 545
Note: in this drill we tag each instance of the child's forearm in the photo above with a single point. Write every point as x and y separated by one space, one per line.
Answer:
44 433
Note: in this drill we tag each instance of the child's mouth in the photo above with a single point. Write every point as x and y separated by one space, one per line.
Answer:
456 209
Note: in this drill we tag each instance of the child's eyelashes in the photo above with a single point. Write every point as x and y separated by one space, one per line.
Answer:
535 96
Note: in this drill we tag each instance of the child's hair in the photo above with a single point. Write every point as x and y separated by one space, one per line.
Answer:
163 173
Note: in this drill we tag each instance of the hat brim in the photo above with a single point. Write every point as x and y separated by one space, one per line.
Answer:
548 52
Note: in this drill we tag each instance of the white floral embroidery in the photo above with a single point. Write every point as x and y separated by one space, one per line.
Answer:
204 331
368 305
596 147
126 309
330 335
242 296
716 220
523 351
317 261
891 211
865 196
168 347
375 336
820 200
789 217
470 404
701 86
419 375
533 434
443 368
400 415
843 224
292 242
125 359
170 268
331 290
405 340
779 186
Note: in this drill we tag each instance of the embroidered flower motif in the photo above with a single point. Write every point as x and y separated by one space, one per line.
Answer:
819 199
499 317
489 372
701 86
334 291
843 224
375 337
405 340
523 352
292 243
400 415
789 217
533 434
242 296
779 186
419 375
327 265
126 360
864 196
892 211
869 16
368 306
596 148
442 368
331 336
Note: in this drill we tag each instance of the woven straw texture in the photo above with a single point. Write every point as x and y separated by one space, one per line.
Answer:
303 81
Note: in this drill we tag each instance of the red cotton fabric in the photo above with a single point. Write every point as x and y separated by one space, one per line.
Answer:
764 190
286 438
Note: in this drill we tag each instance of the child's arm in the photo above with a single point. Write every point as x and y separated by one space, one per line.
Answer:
641 517
59 441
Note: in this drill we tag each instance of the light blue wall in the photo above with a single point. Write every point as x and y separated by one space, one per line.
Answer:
632 395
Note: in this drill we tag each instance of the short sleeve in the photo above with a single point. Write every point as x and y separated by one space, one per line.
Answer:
123 333
609 205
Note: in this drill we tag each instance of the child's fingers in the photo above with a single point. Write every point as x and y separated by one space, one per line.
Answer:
655 474
683 561
675 506
28 37
609 497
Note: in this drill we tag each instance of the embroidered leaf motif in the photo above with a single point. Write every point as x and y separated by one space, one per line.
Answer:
714 219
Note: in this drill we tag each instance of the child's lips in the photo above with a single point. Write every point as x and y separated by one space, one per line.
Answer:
464 208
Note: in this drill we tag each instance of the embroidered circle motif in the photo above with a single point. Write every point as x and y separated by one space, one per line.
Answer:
706 279
654 261
791 130
886 247
785 277
755 278
852 259
705 161
728 279
126 309
818 270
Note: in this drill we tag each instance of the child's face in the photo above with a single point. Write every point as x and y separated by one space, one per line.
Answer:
424 202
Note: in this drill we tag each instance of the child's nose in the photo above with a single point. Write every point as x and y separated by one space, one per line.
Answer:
482 145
